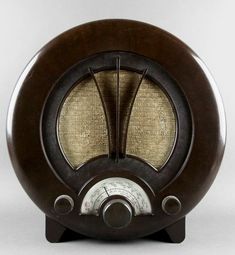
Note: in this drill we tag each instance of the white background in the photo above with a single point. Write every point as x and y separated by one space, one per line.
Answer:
207 26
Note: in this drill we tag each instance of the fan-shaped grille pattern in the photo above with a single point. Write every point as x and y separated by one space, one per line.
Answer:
82 129
152 127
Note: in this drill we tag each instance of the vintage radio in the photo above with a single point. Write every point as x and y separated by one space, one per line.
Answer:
116 130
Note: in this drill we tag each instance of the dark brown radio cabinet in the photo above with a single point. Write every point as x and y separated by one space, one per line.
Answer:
116 130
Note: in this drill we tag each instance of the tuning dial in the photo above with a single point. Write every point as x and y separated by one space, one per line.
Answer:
107 189
117 213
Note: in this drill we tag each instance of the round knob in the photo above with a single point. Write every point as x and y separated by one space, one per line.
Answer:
117 213
171 205
63 204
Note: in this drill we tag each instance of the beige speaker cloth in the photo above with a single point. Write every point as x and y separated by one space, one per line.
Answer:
82 130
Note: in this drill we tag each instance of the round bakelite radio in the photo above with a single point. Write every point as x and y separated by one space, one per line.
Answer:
116 130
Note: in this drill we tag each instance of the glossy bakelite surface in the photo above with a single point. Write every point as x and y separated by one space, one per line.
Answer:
24 137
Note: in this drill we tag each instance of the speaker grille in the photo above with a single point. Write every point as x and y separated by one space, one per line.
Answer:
82 128
152 127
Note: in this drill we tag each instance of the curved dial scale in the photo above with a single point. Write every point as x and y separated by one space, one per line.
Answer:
116 186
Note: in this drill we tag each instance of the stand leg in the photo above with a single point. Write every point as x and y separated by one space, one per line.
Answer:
56 233
174 233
